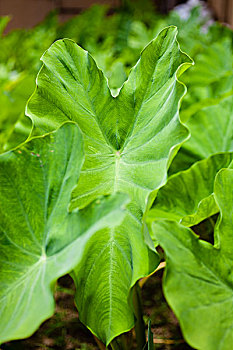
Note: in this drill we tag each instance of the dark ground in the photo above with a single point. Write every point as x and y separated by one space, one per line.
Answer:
65 332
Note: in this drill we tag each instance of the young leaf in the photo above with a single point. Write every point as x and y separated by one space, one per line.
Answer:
40 240
188 196
198 282
129 143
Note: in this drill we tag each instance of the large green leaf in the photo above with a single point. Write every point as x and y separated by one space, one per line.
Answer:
40 240
188 196
198 282
129 143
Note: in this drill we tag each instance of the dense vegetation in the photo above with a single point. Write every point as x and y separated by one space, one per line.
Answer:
108 164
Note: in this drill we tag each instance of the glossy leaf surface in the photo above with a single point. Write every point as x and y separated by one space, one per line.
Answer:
129 143
40 240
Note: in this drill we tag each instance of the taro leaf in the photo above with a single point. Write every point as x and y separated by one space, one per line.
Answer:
188 196
212 64
39 239
198 282
217 92
211 132
129 143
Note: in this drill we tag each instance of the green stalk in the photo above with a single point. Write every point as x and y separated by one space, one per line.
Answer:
212 223
140 325
114 346
101 346
120 343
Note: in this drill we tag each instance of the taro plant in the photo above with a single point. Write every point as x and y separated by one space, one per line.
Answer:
129 142
91 196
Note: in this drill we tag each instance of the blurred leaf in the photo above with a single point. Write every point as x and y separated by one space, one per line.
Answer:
3 23
211 132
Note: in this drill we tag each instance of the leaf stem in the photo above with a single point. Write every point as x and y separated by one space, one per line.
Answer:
120 343
212 223
140 325
101 346
143 280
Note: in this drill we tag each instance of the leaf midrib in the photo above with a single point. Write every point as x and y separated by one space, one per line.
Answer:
128 136
24 277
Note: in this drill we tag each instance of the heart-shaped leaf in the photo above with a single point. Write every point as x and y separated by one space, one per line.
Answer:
129 143
40 240
198 282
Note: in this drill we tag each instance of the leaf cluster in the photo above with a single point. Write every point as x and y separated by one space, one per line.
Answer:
113 168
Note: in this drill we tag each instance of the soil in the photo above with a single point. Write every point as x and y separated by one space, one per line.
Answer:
164 324
64 331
